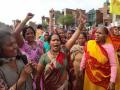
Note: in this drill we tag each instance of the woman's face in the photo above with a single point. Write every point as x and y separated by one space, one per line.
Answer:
61 33
55 43
46 36
69 34
29 35
10 48
81 39
100 35
116 31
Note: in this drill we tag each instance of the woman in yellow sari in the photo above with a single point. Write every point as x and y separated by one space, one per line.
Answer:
99 63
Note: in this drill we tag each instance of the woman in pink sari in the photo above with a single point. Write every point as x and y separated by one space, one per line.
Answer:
32 48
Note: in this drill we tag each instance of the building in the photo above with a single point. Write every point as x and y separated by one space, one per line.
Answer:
107 17
95 17
52 20
76 13
54 16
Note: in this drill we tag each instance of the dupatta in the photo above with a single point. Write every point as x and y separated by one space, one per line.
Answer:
97 64
115 41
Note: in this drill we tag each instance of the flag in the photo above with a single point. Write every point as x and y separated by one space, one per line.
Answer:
115 7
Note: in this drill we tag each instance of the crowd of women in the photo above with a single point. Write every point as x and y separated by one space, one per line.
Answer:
73 60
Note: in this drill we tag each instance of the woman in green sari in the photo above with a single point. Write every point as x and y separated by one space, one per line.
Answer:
54 63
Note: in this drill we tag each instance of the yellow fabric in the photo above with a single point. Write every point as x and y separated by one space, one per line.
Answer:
115 7
117 83
96 52
88 85
38 34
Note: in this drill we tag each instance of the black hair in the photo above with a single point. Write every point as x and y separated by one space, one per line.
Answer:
50 37
25 30
39 26
84 35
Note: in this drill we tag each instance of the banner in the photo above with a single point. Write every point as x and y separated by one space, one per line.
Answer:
115 7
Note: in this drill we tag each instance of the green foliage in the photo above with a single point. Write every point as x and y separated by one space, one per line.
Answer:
44 24
66 20
61 20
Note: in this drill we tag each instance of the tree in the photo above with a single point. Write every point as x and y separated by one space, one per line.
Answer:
61 20
45 24
67 20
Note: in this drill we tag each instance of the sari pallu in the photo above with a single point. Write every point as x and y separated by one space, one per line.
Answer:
115 42
97 64
55 76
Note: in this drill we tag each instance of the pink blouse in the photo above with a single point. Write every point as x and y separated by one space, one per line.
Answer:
33 54
111 54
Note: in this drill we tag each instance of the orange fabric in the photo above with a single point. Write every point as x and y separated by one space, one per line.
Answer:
97 64
116 42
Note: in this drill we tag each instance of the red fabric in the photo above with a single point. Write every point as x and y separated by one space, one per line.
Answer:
116 42
60 58
93 64
105 69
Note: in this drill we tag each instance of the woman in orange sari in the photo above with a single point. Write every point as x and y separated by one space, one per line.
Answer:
99 63
115 37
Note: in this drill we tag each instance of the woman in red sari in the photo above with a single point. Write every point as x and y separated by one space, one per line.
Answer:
99 63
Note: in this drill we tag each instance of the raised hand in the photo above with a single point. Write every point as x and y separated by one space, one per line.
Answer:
29 16
82 18
51 13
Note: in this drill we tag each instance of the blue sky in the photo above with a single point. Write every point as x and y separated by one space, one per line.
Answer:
17 9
